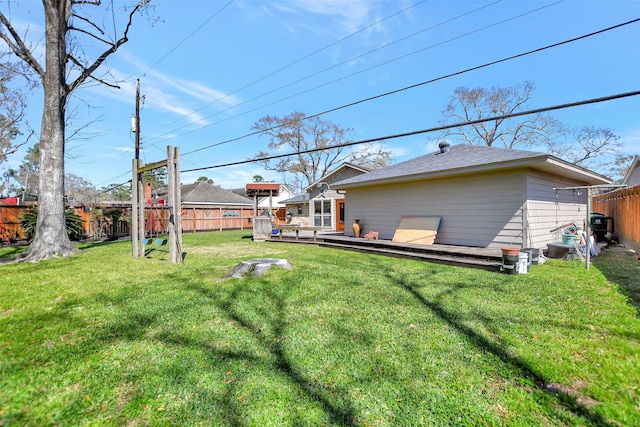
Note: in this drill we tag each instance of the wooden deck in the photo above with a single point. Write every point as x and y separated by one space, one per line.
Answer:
483 258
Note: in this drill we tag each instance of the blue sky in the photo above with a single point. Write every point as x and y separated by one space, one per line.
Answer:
210 69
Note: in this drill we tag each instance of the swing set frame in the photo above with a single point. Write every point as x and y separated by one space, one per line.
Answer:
172 163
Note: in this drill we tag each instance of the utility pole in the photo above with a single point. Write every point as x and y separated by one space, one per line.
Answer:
137 211
136 123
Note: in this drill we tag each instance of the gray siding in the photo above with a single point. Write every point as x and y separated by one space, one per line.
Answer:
548 209
343 174
634 177
484 210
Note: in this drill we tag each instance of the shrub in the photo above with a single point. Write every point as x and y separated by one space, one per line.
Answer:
75 224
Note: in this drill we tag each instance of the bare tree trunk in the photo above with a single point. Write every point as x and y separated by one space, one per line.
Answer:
51 238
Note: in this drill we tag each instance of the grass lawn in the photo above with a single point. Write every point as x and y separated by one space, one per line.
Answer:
344 338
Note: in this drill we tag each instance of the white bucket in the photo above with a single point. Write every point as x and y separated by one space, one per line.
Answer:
523 263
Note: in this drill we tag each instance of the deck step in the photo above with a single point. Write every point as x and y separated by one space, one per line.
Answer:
448 259
484 258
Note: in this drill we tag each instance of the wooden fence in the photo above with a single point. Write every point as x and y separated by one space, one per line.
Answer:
195 218
209 218
623 206
95 224
10 222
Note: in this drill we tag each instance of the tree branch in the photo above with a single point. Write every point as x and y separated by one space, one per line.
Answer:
90 22
18 47
88 71
90 34
104 82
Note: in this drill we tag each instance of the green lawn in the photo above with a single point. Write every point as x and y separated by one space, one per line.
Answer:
344 338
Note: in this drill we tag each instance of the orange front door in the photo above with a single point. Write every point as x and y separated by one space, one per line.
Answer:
340 215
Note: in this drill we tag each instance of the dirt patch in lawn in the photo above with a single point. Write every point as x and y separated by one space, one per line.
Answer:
573 392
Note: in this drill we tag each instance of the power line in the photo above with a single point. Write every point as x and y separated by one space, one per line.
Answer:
334 66
426 82
429 130
417 132
343 77
188 37
289 65
179 44
457 73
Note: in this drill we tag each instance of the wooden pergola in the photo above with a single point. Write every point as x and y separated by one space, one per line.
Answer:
262 189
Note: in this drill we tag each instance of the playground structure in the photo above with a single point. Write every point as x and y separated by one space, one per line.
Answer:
144 230
156 224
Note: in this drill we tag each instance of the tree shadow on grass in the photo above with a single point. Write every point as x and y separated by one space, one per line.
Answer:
337 409
520 366
10 252
90 244
265 349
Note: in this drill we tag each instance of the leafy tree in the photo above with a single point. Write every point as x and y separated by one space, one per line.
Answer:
299 133
258 178
78 189
116 192
67 29
74 225
205 179
12 109
29 171
157 178
7 175
115 214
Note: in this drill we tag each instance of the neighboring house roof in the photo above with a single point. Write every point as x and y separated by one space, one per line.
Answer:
334 175
302 198
318 189
632 177
205 193
465 159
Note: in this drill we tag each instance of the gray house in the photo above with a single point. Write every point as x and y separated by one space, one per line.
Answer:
320 205
485 196
632 176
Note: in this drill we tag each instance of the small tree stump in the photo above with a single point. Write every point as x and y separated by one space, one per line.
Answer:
258 267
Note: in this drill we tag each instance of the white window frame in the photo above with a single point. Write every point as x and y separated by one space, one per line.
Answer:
322 216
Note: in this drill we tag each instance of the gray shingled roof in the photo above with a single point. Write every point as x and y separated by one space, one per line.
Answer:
302 198
203 192
462 159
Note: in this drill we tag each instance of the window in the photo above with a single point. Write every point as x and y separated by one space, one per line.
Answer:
322 213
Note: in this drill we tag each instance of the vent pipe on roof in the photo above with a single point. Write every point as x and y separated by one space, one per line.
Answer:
444 146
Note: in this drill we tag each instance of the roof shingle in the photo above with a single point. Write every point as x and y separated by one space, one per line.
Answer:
459 159
203 192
